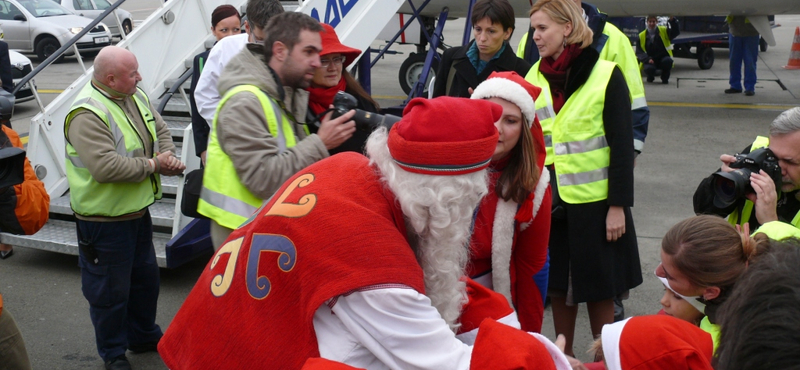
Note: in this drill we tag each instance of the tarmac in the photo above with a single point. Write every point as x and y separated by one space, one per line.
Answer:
692 122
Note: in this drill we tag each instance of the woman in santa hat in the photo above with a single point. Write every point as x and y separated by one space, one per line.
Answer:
509 241
333 77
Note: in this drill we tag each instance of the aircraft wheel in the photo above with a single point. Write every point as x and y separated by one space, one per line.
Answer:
411 69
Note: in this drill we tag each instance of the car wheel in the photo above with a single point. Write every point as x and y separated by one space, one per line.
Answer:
127 27
46 47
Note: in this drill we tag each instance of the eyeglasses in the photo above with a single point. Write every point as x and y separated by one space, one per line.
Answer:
337 61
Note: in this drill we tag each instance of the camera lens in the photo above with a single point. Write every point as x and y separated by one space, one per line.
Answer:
725 189
730 186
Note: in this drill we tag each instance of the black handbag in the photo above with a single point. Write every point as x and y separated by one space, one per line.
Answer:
192 185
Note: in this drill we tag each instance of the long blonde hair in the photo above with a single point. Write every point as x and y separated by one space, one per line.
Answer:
563 12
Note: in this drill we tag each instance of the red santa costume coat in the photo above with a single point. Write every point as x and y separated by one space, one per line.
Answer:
331 229
509 243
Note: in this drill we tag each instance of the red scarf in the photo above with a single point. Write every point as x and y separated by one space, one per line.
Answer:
555 71
320 98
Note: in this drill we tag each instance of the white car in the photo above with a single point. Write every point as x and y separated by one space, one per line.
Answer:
93 8
20 67
42 26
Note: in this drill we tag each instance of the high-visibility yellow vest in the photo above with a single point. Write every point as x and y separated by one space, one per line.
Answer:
224 198
616 48
742 215
662 31
779 230
91 198
711 329
575 139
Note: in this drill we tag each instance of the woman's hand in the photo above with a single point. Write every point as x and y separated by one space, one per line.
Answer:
615 223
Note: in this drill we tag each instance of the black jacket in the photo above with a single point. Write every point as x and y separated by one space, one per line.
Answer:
703 200
656 49
200 128
5 68
465 75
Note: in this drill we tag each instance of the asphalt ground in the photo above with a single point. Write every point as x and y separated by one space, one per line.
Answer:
692 122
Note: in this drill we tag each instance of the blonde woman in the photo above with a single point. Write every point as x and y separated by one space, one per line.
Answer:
585 112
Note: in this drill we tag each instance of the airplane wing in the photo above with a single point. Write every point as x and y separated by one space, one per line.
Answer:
761 23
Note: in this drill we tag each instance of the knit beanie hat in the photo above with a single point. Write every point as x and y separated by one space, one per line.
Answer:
512 87
657 342
222 12
445 136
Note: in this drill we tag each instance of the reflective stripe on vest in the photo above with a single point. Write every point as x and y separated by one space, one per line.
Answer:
662 32
223 197
91 198
575 139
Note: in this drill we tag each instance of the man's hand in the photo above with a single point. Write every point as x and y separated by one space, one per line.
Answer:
650 61
765 197
203 157
334 132
615 223
727 159
169 165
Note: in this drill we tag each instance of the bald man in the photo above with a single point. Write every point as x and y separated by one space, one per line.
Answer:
117 146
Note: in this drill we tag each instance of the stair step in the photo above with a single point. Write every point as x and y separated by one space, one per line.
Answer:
162 211
177 105
177 124
60 236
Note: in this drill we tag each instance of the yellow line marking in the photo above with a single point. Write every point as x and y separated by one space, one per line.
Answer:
727 106
48 91
24 139
389 97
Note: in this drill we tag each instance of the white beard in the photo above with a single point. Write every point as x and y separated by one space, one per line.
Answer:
438 211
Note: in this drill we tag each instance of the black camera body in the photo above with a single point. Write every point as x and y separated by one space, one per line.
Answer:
731 186
365 121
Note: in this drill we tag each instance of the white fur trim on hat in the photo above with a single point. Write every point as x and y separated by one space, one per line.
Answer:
611 335
504 88
559 358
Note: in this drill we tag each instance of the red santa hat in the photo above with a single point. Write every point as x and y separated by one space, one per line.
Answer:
445 136
656 342
512 87
501 347
483 303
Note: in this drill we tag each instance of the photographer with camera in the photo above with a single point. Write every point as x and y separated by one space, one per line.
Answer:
760 184
331 78
258 139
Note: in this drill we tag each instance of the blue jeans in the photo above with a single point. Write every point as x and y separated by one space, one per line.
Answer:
120 279
743 49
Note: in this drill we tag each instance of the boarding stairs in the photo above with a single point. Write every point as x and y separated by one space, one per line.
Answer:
165 43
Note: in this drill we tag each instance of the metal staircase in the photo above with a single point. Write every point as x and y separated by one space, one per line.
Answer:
165 44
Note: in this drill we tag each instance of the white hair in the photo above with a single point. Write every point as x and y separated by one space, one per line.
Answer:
786 123
440 211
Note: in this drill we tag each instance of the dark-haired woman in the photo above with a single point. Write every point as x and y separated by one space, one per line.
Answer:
464 67
508 247
225 21
333 77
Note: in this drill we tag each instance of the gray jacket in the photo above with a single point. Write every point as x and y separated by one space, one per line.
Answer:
242 132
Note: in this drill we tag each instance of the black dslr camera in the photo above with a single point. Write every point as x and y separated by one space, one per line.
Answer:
731 186
365 121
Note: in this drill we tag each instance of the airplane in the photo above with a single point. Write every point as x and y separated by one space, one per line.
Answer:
756 12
